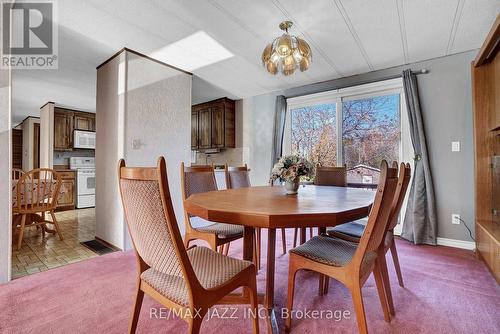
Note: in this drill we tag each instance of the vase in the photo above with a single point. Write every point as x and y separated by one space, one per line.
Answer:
292 187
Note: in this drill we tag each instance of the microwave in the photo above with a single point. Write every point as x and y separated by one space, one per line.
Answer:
84 139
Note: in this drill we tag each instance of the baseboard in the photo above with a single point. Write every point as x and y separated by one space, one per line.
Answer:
470 245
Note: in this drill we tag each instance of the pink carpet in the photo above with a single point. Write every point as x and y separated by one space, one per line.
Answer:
447 291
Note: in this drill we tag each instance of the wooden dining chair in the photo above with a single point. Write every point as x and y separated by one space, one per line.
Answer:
325 176
283 230
354 231
17 173
199 179
189 281
36 193
348 262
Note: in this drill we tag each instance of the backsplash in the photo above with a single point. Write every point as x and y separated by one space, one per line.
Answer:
232 157
62 157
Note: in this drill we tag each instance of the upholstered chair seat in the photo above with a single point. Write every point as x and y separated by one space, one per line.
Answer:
212 270
353 229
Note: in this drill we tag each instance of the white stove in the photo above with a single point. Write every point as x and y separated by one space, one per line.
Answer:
85 181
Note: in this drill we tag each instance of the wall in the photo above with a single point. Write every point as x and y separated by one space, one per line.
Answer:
5 175
445 94
143 102
28 141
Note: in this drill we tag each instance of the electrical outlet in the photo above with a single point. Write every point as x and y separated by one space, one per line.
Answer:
455 218
455 146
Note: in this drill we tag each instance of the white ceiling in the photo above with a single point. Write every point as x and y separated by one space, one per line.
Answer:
347 37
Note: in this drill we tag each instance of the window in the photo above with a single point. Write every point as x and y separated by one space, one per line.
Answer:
357 127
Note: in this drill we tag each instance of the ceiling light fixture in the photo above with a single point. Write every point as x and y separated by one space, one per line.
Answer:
286 53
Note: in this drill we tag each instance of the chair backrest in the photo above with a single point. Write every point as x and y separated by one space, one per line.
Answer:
197 179
37 191
151 220
379 214
17 173
400 193
331 176
237 177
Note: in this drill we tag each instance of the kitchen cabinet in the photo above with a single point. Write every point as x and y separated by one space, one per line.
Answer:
84 121
67 194
213 125
63 130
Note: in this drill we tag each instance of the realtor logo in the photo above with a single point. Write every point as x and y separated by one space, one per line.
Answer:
29 39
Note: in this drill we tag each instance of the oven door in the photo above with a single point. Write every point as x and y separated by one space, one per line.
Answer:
86 182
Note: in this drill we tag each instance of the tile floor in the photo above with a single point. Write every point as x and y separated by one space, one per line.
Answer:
39 254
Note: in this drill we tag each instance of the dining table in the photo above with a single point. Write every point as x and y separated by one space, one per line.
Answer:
271 208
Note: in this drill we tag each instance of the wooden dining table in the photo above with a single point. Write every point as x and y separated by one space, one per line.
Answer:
269 207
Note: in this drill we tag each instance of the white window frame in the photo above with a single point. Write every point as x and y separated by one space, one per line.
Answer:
386 87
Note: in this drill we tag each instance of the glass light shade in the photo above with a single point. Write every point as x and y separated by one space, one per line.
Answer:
286 53
284 47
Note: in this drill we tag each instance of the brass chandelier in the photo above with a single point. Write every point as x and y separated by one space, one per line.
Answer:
286 53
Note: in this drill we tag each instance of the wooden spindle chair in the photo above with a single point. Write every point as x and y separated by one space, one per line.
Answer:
36 192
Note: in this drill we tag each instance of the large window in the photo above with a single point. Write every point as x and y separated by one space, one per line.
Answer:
357 127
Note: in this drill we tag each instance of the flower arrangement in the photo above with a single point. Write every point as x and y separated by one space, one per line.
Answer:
290 167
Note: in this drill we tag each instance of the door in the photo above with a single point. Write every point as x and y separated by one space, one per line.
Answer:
63 126
218 126
36 145
204 126
17 148
194 129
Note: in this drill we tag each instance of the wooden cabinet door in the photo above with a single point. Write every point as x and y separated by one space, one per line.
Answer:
84 122
204 128
63 131
67 194
217 126
194 129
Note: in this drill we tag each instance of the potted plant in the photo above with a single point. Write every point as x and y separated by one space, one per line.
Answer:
289 169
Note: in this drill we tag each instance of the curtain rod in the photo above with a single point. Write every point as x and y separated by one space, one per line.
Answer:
418 72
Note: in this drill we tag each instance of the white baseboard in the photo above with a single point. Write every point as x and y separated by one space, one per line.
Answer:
470 245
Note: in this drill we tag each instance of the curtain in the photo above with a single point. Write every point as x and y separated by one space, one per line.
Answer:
279 129
420 224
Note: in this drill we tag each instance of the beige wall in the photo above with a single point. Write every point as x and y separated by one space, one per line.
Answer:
139 101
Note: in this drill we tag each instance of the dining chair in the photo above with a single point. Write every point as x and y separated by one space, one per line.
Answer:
283 230
36 192
17 173
348 262
199 179
325 176
188 281
354 231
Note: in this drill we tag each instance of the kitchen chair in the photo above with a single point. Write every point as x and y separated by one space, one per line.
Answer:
17 173
36 193
354 231
199 179
348 262
189 281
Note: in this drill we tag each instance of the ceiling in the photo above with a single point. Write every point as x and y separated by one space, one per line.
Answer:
347 37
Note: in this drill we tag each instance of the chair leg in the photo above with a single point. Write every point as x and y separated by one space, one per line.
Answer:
387 283
254 305
357 299
310 232
395 259
283 240
292 271
136 311
327 285
21 232
295 235
56 225
226 248
321 287
195 323
379 281
258 246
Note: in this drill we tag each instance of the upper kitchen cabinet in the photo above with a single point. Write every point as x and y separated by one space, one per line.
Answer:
212 125
63 129
84 121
